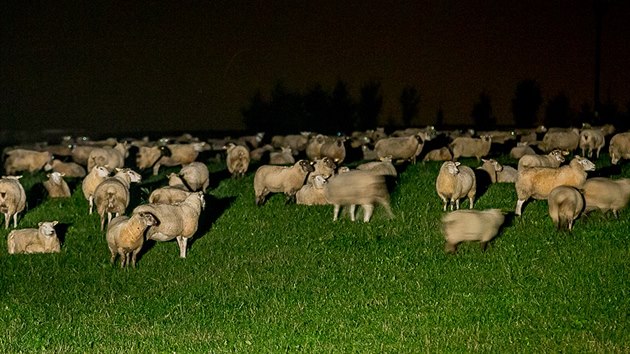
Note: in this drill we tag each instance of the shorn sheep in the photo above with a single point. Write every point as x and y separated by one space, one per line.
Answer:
12 199
280 179
125 236
470 225
619 147
354 188
400 148
56 186
112 195
237 159
454 182
565 205
538 182
471 147
41 240
606 194
91 181
178 222
552 159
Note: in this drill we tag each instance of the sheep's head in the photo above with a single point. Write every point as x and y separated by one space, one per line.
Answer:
557 153
55 177
451 167
586 164
47 228
306 166
149 219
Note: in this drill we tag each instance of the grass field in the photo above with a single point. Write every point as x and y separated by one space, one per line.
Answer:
282 278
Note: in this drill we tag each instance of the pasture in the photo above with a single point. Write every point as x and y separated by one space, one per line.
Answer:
283 277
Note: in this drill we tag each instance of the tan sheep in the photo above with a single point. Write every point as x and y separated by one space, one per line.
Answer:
12 199
499 173
312 193
384 167
454 182
91 181
619 147
368 154
68 169
169 195
538 182
334 149
56 186
195 176
168 155
566 139
441 154
280 179
125 236
521 149
283 157
110 157
400 148
471 147
552 159
178 222
41 240
470 225
258 153
112 195
237 159
591 140
81 154
565 205
324 167
314 146
606 194
19 160
357 188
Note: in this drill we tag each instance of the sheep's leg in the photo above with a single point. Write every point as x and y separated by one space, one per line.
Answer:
109 218
353 208
156 169
133 257
519 206
456 204
472 202
450 247
182 242
445 202
484 245
91 201
102 221
7 220
15 216
336 212
368 209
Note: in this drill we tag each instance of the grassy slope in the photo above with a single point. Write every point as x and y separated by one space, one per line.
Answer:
285 277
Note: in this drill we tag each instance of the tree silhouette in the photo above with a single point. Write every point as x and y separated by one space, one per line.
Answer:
558 112
526 103
439 118
370 105
343 107
409 103
482 113
317 111
256 116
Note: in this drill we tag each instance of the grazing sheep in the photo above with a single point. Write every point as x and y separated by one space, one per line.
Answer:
280 179
552 159
284 157
312 193
454 182
441 154
400 148
91 181
471 147
470 225
237 159
68 169
499 173
384 167
537 182
19 160
521 149
111 157
562 139
41 240
174 221
619 147
112 195
56 186
12 199
195 176
334 149
168 155
565 205
125 236
606 194
591 139
357 188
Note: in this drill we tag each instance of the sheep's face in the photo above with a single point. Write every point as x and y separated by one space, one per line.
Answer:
47 228
586 163
149 219
55 177
558 155
133 176
451 167
306 166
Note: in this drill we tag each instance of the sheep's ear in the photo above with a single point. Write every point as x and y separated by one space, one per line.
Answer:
54 223
62 174
39 224
457 163
48 175
484 160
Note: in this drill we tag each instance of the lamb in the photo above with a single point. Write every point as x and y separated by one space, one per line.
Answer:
441 154
276 179
537 182
41 240
521 149
469 147
357 188
470 225
606 194
334 149
454 182
619 147
68 169
125 236
591 139
237 159
384 167
168 155
111 157
56 186
112 195
174 221
312 193
12 199
563 140
552 159
19 160
91 181
195 176
565 205
404 148
284 157
499 173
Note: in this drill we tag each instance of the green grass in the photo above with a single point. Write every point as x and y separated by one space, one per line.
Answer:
286 278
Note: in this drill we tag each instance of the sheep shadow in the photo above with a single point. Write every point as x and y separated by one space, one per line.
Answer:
215 207
612 170
62 229
483 182
217 177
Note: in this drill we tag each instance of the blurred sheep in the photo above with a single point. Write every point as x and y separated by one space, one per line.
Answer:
12 199
470 225
280 179
565 205
357 188
237 159
606 194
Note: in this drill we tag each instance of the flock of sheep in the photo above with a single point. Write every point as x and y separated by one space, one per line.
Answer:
309 169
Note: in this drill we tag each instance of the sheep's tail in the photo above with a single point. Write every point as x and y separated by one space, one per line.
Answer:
564 215
111 199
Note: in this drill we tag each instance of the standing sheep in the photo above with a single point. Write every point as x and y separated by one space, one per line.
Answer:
499 173
125 236
334 150
56 186
112 195
41 240
237 159
280 179
168 155
283 157
19 160
400 148
12 199
68 169
606 194
591 139
195 176
454 182
384 167
565 205
357 188
314 146
470 225
561 139
471 147
111 157
91 181
619 147
324 167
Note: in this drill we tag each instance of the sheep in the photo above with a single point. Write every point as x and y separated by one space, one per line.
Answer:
237 159
314 146
619 147
552 159
384 167
258 153
470 225
499 173
68 169
168 155
469 147
324 167
606 194
81 153
591 139
455 181
251 140
312 193
41 240
12 199
565 205
537 182
168 195
564 140
19 160
334 149
297 142
195 176
174 221
56 186
125 236
400 148
112 195
284 157
521 149
276 179
441 154
368 154
111 157
91 181
357 188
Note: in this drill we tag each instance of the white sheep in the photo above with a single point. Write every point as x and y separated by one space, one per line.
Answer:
178 222
56 186
125 236
112 195
81 153
619 147
521 149
237 159
591 140
454 182
368 154
565 139
12 199
312 193
169 195
565 205
168 155
258 153
68 169
470 225
19 160
357 188
111 157
280 179
91 181
537 182
471 147
283 157
499 173
195 176
441 154
606 194
552 159
400 148
384 167
41 240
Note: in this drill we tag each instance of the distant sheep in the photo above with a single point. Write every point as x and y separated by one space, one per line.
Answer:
470 225
521 149
20 160
357 188
56 186
606 194
280 179
471 147
314 146
112 195
441 154
237 159
334 149
110 157
283 157
619 147
454 182
400 148
565 205
91 181
258 153
125 236
560 139
384 168
499 173
591 140
195 176
41 240
12 199
68 169
169 155
552 159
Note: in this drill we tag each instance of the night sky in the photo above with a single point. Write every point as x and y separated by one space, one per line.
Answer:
131 66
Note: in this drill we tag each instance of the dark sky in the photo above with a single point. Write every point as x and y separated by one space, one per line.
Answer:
177 65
